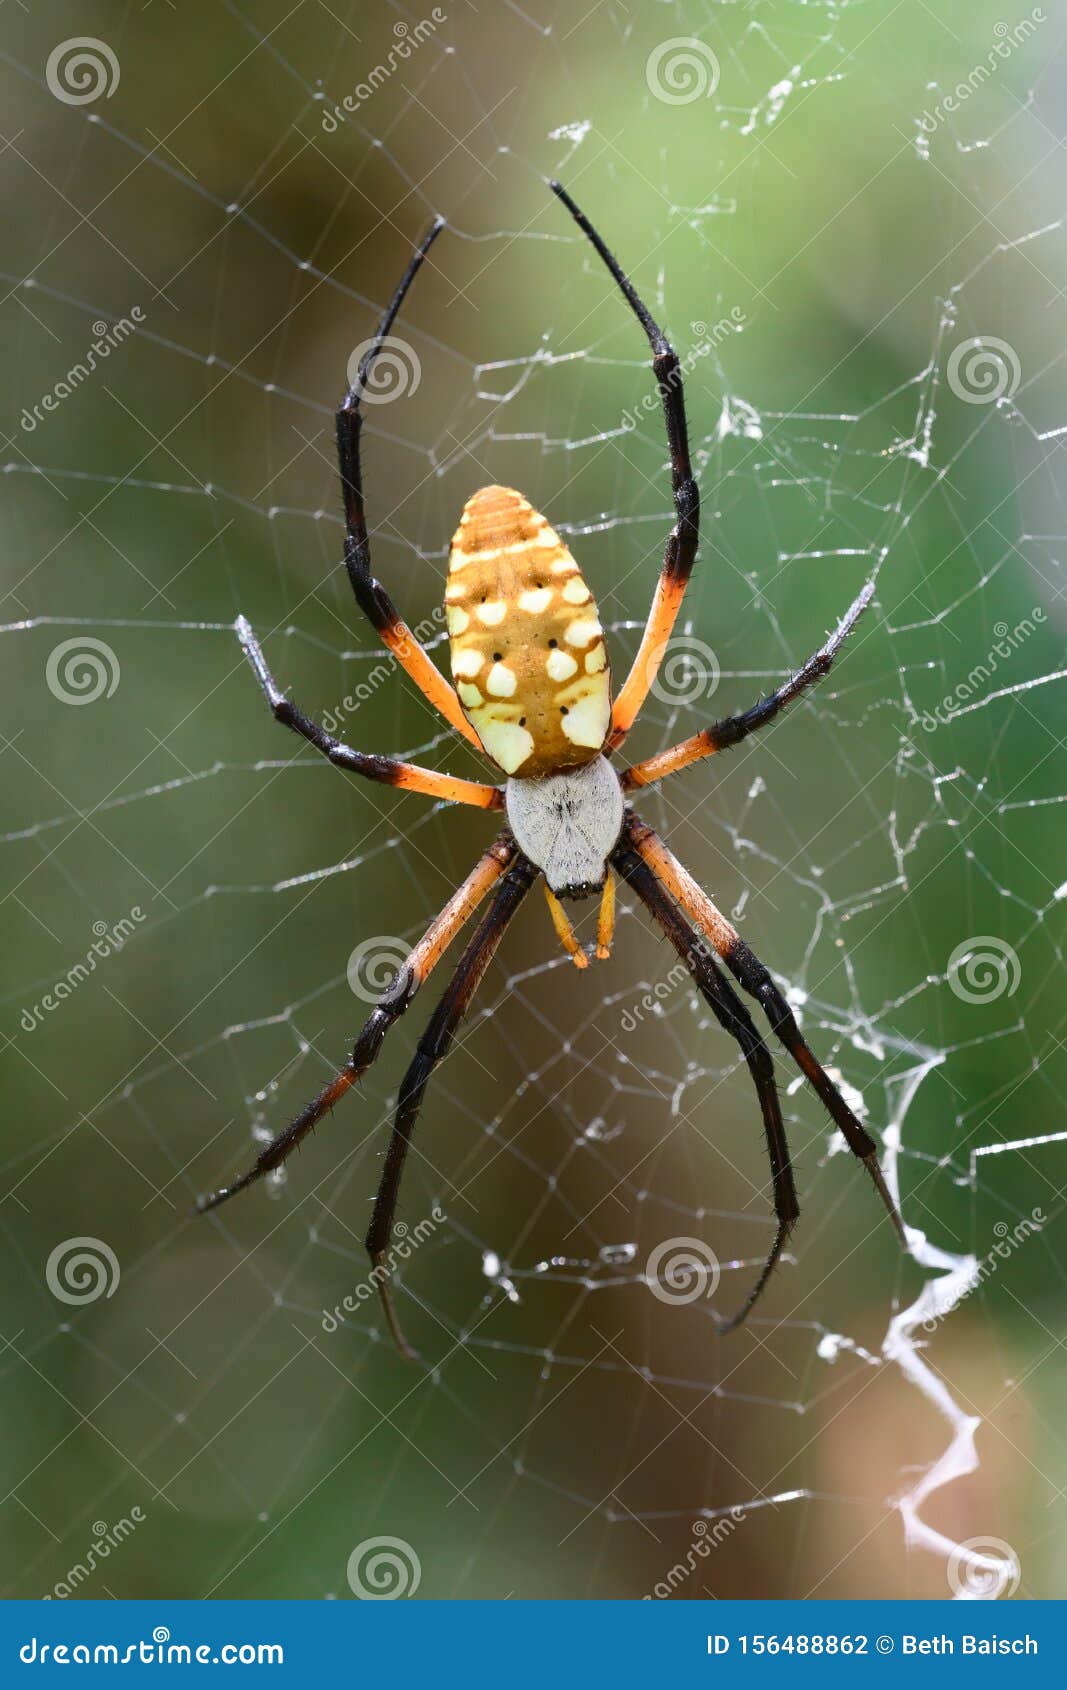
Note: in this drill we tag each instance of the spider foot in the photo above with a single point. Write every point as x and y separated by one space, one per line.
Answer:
781 1239
381 1276
873 1167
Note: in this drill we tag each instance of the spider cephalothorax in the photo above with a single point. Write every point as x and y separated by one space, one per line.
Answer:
533 693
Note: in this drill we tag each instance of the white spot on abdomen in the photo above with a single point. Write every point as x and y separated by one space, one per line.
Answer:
583 630
467 662
561 666
536 600
501 682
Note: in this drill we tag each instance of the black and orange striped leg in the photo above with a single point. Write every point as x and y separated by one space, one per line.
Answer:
721 736
432 1048
755 979
734 1018
371 596
682 542
416 969
407 777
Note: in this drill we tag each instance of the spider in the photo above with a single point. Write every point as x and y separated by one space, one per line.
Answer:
532 692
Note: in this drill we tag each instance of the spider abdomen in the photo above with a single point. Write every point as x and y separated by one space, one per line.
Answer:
528 654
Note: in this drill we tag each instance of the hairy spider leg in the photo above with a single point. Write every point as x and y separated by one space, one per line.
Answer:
681 549
406 777
415 970
731 730
754 978
371 596
432 1048
734 1018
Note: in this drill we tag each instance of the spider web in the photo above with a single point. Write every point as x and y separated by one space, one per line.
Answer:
863 278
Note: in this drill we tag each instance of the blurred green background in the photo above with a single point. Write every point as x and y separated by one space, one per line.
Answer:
564 1429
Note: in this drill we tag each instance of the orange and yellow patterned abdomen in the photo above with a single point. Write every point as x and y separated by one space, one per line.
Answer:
528 655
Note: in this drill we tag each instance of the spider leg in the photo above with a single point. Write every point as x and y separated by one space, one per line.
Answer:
371 596
564 931
605 924
418 965
734 1018
432 1048
721 736
681 547
407 776
754 978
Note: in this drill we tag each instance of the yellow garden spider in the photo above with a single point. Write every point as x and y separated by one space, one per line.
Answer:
533 692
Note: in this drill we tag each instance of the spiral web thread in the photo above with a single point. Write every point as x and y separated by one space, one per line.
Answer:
959 406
